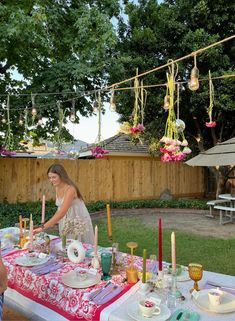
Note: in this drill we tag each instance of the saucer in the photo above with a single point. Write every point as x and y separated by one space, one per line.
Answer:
134 312
227 305
70 279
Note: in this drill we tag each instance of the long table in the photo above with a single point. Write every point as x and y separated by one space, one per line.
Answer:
45 297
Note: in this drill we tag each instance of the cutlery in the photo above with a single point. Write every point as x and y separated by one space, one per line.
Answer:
179 316
107 293
220 286
99 291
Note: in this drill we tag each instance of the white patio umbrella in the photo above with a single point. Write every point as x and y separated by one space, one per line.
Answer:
222 154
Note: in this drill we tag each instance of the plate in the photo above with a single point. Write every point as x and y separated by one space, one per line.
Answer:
184 276
26 260
227 302
70 279
134 313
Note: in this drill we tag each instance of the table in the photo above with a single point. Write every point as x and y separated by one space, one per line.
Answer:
45 297
228 197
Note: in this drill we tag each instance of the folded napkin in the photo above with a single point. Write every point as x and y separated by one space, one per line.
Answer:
105 294
186 315
8 250
223 287
50 266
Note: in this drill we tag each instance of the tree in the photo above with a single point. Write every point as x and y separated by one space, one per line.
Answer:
154 33
57 46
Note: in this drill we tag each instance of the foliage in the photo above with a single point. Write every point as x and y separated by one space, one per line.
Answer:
75 61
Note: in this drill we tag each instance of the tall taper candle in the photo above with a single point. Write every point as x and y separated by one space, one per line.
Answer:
21 226
173 261
109 221
144 266
160 244
96 240
31 233
43 209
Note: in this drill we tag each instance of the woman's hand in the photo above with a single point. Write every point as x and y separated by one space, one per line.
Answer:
37 230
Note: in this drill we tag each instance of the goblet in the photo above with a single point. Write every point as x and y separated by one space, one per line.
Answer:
195 273
131 271
106 260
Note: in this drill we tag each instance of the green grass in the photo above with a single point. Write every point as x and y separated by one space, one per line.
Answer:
216 255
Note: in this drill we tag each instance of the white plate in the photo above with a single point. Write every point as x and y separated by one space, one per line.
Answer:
26 260
134 313
70 279
184 276
227 302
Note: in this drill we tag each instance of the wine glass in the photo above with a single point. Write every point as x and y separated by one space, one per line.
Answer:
106 260
195 271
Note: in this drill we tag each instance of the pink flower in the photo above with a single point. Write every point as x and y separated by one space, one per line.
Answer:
178 156
98 152
166 157
187 150
211 124
169 141
170 148
163 139
60 152
134 130
184 142
140 127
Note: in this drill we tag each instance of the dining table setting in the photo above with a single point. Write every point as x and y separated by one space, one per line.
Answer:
50 280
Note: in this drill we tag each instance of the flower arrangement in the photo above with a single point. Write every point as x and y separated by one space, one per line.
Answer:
134 131
98 152
211 124
75 226
6 153
174 149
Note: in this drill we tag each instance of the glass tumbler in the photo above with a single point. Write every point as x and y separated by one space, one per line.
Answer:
106 260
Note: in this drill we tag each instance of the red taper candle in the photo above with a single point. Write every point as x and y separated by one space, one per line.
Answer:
160 244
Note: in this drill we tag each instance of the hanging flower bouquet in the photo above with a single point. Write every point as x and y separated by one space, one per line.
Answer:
98 152
135 128
175 146
211 123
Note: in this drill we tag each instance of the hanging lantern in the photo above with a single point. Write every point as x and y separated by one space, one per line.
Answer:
34 111
95 106
4 120
112 104
40 121
193 83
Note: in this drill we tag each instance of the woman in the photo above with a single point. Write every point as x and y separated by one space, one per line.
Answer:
70 204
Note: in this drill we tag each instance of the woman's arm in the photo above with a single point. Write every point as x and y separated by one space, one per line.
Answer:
3 277
67 202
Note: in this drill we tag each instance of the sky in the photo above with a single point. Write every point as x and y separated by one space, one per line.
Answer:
87 129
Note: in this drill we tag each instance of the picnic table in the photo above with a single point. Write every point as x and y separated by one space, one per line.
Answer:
46 297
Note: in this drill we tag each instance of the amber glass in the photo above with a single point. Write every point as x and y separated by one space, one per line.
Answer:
195 273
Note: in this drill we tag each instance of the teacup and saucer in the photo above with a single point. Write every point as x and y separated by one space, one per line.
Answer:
148 308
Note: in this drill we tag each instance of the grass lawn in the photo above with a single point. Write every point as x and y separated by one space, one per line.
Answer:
216 255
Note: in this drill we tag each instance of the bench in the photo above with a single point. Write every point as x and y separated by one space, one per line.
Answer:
228 213
213 203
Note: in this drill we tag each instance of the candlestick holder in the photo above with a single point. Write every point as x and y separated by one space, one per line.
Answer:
95 261
174 292
114 267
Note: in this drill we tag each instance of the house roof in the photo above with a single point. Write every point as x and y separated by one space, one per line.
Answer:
120 144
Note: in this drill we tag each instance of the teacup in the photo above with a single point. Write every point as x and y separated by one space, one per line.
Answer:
215 296
81 275
178 269
148 308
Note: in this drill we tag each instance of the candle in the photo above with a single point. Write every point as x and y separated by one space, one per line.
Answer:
160 244
31 233
109 221
96 240
173 251
21 226
144 266
25 220
43 209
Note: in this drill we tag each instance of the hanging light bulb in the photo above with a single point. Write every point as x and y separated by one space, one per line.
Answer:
34 111
4 120
112 104
21 122
40 121
193 83
72 117
95 106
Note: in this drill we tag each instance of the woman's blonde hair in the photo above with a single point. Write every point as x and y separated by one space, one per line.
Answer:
60 170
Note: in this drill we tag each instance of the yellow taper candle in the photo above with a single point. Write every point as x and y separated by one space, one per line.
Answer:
109 221
21 226
144 266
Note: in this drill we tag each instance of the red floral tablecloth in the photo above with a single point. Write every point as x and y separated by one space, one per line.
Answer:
48 290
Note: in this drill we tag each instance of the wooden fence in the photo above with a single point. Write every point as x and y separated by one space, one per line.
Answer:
117 178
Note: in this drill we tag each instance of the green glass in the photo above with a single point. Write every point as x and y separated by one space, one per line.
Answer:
106 260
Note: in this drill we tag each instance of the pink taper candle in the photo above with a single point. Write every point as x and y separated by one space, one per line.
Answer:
43 209
173 262
96 240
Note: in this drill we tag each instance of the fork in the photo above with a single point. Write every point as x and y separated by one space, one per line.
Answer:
107 293
220 286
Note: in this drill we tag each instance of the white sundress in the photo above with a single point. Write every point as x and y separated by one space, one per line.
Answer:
77 209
